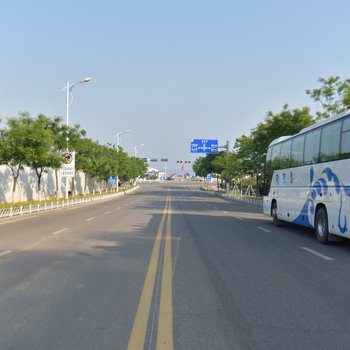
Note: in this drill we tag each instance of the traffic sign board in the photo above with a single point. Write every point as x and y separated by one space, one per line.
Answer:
209 177
112 180
69 157
204 146
68 168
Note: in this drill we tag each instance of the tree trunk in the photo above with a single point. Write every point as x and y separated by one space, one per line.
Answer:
15 174
85 183
56 184
15 178
39 174
73 185
39 186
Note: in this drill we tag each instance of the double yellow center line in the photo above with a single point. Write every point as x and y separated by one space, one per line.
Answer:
165 320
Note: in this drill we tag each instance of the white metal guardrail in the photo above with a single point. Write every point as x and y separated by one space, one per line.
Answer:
248 200
56 204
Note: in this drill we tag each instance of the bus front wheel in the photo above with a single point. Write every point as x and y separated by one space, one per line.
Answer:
321 226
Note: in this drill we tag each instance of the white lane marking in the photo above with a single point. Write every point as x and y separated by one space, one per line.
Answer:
264 229
215 207
11 221
107 212
89 219
325 257
72 208
236 217
59 231
30 246
5 252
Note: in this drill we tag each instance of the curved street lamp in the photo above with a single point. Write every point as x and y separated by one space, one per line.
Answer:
119 134
136 147
69 95
118 142
69 100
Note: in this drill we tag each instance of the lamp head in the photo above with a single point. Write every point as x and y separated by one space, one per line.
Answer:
85 80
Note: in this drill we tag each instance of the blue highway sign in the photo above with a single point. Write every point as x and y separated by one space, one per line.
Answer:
112 180
204 146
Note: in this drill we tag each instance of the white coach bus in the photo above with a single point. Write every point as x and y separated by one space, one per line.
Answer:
310 178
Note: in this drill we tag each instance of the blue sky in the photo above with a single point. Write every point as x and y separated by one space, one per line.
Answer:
170 71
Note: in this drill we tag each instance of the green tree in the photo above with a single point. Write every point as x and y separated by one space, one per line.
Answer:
134 167
42 153
232 167
333 95
204 165
16 145
83 159
251 150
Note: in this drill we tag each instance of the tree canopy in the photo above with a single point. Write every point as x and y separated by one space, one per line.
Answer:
39 143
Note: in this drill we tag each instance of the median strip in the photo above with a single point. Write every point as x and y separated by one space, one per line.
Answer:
165 327
165 321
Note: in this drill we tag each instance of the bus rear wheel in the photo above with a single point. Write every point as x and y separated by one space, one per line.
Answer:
321 226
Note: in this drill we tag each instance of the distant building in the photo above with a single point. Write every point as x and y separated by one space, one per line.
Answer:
154 173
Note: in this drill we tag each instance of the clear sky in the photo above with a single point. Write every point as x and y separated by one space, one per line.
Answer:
170 71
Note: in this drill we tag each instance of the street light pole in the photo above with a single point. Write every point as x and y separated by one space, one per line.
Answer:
118 141
119 134
136 147
69 88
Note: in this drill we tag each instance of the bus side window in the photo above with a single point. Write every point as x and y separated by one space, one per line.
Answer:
312 147
330 142
268 169
297 151
285 154
345 140
276 157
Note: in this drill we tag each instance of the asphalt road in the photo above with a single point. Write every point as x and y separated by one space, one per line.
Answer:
169 267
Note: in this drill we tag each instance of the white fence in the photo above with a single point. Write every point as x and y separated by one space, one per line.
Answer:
248 200
56 204
27 186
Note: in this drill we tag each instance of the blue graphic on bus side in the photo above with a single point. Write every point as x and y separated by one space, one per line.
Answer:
321 186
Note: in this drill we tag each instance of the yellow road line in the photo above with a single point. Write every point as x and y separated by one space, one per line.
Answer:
165 321
138 332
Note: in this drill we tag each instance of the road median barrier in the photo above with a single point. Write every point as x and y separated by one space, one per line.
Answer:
252 200
9 210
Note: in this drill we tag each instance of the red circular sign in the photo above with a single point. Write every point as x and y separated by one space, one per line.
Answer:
68 157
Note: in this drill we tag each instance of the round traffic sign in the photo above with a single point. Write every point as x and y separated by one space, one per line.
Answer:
68 157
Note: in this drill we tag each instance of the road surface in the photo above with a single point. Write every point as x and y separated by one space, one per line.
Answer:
169 267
